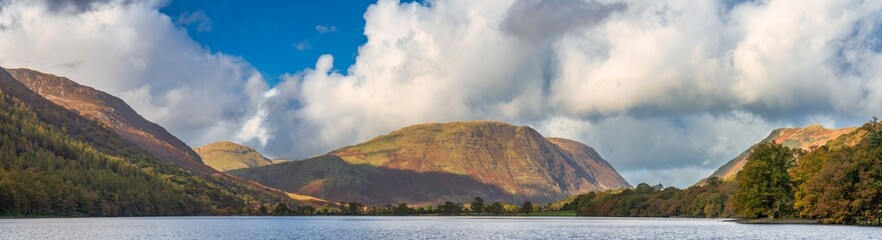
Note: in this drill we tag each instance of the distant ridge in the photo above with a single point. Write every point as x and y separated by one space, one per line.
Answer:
426 163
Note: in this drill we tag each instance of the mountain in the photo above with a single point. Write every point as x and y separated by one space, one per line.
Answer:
804 138
56 162
603 172
113 113
428 163
224 156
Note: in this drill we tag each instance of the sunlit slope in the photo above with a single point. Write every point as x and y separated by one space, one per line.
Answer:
804 138
456 161
224 156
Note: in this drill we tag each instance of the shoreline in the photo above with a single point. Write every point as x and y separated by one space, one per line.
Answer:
800 221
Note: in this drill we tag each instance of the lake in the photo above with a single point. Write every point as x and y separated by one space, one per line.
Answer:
415 228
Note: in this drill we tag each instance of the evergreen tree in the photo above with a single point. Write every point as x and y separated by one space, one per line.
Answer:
477 206
527 207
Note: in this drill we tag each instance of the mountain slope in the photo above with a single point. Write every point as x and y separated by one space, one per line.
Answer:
841 182
804 138
224 156
58 163
457 161
601 170
113 113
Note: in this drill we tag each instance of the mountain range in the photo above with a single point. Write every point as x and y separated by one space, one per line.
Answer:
420 164
458 161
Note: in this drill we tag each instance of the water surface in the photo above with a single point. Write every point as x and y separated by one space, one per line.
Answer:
415 228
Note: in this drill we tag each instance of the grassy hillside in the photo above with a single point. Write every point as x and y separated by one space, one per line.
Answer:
112 113
57 163
224 156
436 162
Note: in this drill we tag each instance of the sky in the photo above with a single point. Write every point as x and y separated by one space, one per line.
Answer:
666 91
275 36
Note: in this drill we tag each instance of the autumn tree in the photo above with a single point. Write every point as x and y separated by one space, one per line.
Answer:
841 182
763 185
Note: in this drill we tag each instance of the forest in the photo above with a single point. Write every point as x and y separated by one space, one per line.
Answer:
55 163
837 183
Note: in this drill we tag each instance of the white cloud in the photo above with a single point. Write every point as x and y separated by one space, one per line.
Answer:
303 45
665 90
665 144
322 29
133 51
663 87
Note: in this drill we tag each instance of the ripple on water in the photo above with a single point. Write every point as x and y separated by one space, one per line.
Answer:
414 228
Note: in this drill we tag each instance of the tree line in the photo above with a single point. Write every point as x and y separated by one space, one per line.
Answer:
475 208
839 183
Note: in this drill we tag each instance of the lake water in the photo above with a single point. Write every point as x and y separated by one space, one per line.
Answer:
415 228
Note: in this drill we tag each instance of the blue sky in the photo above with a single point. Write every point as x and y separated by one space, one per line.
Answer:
266 33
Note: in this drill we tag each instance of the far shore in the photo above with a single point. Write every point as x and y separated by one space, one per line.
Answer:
775 221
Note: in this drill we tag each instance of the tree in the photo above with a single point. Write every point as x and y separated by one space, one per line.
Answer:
262 210
281 209
450 208
325 209
495 208
354 208
402 209
763 185
644 188
841 182
477 205
527 207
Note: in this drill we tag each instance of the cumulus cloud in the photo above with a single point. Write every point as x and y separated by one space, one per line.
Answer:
133 51
661 87
544 19
689 142
73 6
665 90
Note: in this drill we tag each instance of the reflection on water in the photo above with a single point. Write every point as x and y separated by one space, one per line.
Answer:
415 228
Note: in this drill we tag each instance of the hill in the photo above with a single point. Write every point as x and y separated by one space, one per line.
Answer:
802 138
224 156
837 182
428 163
56 162
112 113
